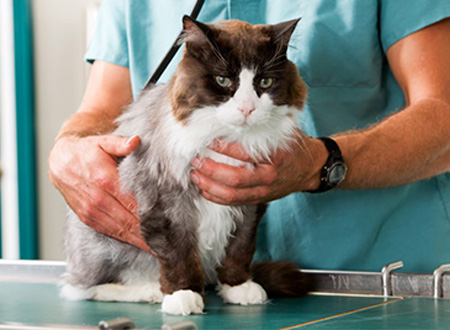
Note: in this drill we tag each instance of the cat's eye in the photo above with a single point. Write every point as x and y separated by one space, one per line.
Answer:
266 82
223 81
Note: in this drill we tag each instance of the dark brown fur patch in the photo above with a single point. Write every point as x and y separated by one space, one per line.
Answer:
235 267
176 250
224 49
280 279
297 91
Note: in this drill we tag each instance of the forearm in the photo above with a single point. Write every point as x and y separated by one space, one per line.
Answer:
107 93
88 122
410 145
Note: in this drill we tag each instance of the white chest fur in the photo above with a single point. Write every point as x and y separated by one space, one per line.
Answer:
216 224
270 129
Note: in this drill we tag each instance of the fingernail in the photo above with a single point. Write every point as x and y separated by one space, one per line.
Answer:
196 162
213 144
194 178
216 144
131 139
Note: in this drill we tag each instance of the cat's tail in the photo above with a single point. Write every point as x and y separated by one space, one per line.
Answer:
280 279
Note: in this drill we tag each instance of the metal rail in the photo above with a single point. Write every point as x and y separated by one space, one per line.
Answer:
384 283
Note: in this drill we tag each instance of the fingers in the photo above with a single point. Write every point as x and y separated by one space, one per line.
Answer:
119 146
231 185
86 174
104 177
108 178
105 214
98 222
213 199
237 177
222 194
231 149
100 170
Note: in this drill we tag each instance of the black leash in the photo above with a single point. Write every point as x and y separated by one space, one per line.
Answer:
172 51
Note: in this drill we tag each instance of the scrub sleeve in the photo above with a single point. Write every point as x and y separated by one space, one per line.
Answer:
109 42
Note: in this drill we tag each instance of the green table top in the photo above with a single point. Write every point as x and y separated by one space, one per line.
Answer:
39 303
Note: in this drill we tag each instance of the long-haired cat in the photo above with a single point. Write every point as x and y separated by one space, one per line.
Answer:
235 83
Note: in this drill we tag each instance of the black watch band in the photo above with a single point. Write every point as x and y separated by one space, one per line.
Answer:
334 170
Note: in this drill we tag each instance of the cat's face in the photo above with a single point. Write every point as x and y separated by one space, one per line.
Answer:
240 71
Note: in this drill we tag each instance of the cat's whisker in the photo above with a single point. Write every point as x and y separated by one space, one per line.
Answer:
219 55
299 140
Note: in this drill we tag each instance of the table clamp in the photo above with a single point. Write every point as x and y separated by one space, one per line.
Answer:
386 276
438 286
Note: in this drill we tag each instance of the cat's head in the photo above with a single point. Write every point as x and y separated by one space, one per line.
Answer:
238 71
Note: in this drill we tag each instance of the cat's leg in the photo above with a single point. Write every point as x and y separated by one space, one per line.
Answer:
149 292
91 273
234 275
181 274
138 282
76 292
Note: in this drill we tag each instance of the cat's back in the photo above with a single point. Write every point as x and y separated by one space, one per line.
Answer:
145 113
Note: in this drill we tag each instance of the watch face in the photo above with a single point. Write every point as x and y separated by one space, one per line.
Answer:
337 173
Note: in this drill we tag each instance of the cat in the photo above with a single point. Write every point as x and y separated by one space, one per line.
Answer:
234 82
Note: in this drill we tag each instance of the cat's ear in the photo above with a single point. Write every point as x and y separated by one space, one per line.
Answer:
282 32
196 33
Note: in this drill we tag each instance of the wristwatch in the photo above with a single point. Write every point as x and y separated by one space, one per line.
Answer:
334 170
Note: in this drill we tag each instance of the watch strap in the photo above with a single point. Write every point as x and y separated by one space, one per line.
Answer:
334 156
331 146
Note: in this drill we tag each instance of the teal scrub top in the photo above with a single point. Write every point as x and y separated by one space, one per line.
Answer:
339 47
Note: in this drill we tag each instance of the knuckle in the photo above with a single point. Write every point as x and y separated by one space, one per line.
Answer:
230 197
271 176
131 206
263 192
234 180
97 199
206 166
129 226
103 180
89 211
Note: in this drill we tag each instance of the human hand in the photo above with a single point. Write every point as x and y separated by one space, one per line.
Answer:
85 171
287 171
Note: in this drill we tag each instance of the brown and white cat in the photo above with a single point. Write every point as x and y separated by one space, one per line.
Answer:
234 82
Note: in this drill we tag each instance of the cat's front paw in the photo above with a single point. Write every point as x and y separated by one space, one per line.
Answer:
183 302
247 293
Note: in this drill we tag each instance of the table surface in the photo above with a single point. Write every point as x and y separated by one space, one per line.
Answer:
39 304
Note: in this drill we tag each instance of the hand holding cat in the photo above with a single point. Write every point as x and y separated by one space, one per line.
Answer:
296 169
87 177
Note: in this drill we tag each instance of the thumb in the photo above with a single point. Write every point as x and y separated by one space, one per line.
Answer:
119 146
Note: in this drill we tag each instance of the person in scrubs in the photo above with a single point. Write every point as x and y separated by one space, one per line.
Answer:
374 190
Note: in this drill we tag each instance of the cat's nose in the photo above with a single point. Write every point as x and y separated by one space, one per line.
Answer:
246 110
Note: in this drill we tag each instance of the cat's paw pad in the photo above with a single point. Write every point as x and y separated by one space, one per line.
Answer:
248 293
183 302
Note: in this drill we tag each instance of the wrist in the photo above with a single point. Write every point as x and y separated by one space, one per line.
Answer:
334 170
319 155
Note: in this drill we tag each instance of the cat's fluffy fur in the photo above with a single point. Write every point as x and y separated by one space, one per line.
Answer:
196 241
